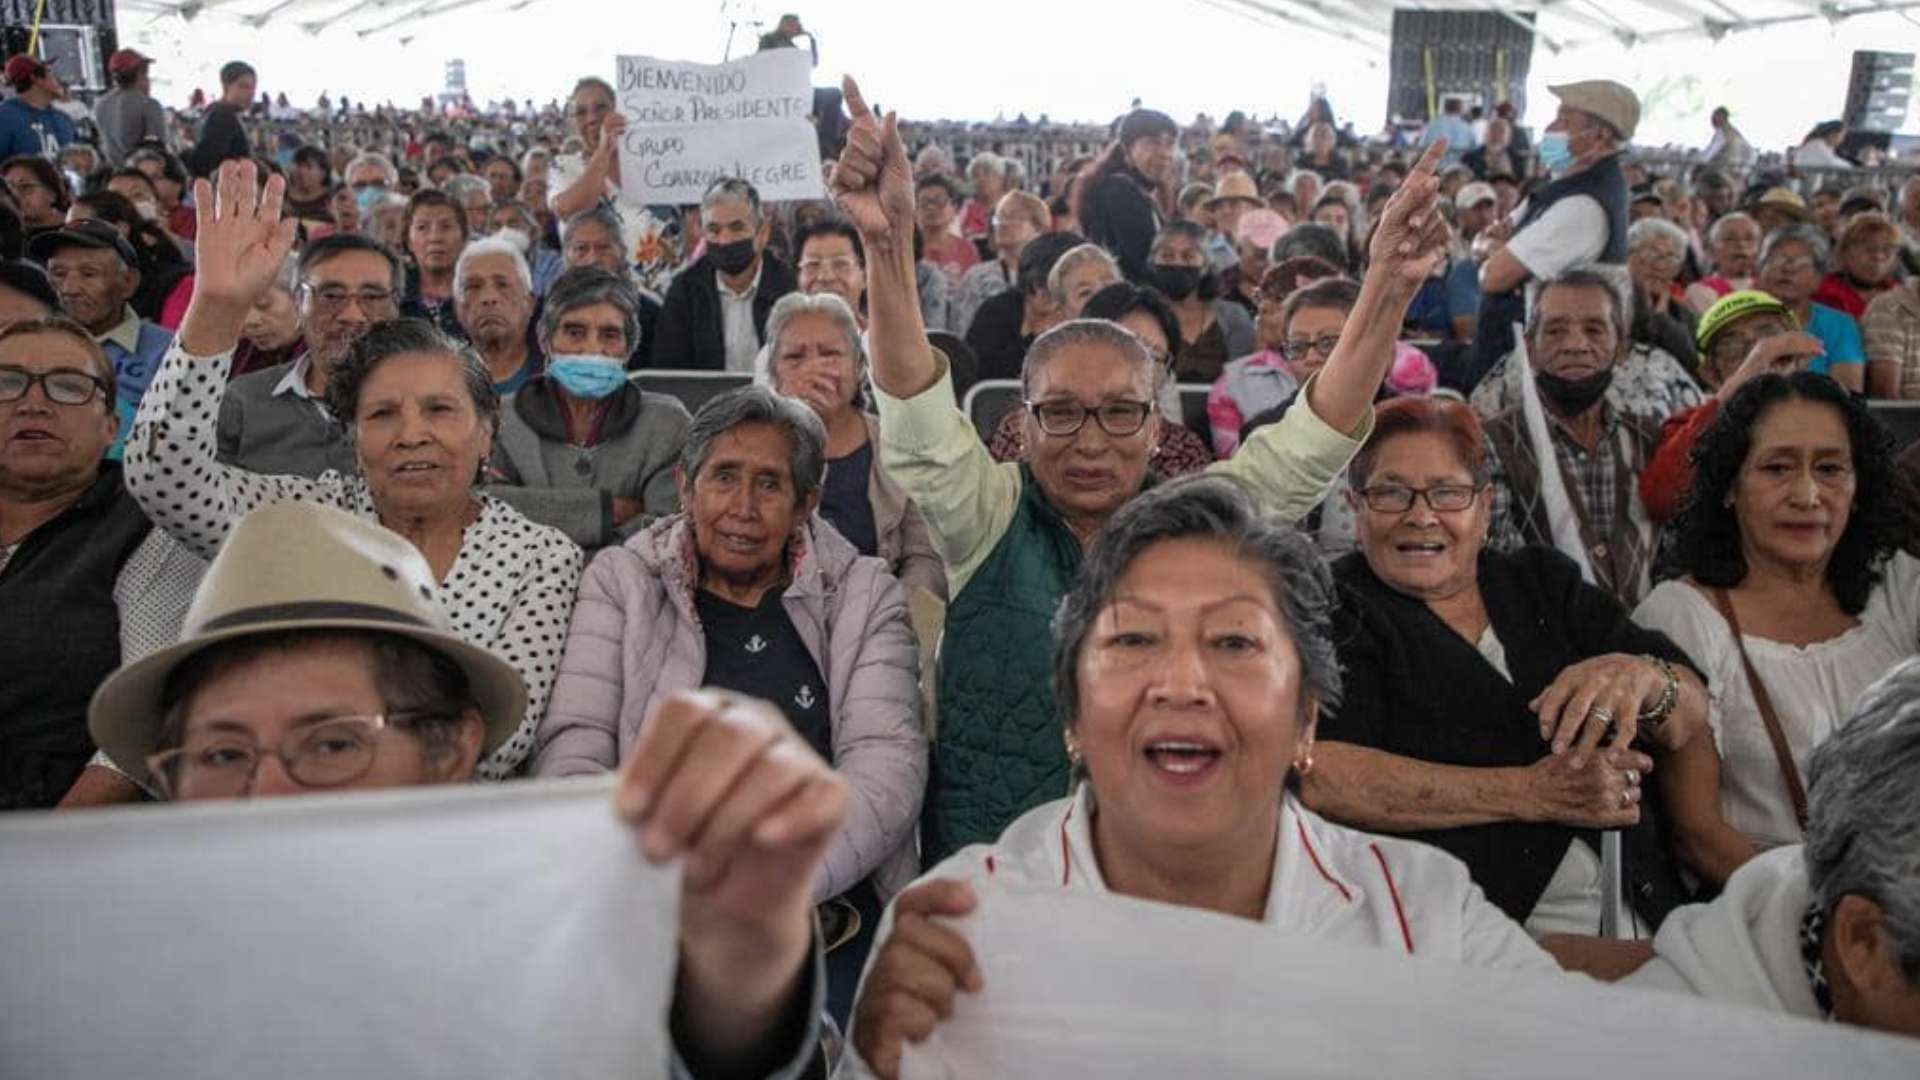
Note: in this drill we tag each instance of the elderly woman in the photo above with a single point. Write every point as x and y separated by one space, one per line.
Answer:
421 414
1792 260
274 690
1212 330
272 333
1013 535
1825 930
386 221
580 447
1481 685
1005 326
1795 599
436 232
1191 661
1656 250
988 174
1864 258
814 355
1145 312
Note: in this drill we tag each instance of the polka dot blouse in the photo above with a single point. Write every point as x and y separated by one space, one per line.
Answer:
511 588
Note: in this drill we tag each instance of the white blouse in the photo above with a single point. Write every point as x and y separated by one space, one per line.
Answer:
1813 687
511 588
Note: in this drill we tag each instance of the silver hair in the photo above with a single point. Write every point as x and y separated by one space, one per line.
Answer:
490 245
1612 279
1213 508
381 161
992 163
460 186
586 286
1656 228
287 278
1088 332
795 304
1815 240
732 189
806 434
1057 277
604 216
1719 223
1863 811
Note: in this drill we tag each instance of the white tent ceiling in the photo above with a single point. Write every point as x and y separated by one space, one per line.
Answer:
1559 23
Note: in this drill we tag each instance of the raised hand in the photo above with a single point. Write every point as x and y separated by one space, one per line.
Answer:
240 245
872 182
920 967
1411 241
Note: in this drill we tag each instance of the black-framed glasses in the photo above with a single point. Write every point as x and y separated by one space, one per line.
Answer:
332 298
330 753
1297 349
1063 418
1398 498
63 386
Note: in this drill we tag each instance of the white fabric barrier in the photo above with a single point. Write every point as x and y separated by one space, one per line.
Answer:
469 932
1100 986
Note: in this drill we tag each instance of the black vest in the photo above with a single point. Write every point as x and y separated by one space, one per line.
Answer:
1606 185
59 638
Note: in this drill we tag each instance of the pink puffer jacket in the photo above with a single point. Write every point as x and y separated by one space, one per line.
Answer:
635 639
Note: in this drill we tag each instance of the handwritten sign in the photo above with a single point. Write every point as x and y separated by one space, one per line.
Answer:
691 124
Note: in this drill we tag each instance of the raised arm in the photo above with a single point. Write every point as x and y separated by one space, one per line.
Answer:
171 456
602 166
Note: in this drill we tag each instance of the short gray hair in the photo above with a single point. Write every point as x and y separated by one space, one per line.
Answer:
732 189
795 304
806 434
1863 811
378 160
602 215
1656 228
1087 332
1066 263
464 184
586 286
1815 240
990 162
1213 508
490 245
1612 280
1721 222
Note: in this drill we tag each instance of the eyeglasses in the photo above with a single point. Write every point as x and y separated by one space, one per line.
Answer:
1298 349
331 299
63 386
839 264
330 753
1798 265
362 185
1661 258
1062 418
1398 498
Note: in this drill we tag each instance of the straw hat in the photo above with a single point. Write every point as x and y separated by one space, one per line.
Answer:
1786 200
300 566
1235 185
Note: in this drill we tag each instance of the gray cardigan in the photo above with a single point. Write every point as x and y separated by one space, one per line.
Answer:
535 470
279 434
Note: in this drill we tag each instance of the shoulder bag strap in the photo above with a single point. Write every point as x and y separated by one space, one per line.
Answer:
1796 791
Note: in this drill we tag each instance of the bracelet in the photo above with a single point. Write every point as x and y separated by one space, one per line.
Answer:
1669 697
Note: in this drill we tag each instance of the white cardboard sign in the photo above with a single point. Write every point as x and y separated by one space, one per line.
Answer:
691 124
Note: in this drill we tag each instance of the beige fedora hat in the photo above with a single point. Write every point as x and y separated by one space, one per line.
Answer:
1236 185
300 566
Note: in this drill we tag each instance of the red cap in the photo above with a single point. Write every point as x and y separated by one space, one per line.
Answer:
126 60
24 69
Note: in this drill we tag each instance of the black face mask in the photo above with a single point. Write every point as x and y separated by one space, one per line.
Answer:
1178 282
733 258
1573 396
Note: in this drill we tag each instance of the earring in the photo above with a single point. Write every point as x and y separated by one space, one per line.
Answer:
1304 765
1075 759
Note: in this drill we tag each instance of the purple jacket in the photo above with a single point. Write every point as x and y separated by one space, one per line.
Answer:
635 639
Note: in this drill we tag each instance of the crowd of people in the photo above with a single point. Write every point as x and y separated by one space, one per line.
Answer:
1536 498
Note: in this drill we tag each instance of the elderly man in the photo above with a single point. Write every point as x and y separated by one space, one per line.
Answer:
493 299
128 116
716 310
29 124
372 177
1824 930
1576 332
1579 217
85 582
222 136
96 273
580 447
1733 242
275 420
1017 218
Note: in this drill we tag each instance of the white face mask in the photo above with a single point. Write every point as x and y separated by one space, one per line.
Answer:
521 241
148 209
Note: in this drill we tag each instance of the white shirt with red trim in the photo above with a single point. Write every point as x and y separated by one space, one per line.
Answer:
1330 882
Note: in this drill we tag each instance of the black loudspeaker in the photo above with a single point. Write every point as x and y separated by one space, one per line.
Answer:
1480 57
1879 91
76 37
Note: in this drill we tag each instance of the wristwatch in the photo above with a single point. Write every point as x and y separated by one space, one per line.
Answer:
1669 697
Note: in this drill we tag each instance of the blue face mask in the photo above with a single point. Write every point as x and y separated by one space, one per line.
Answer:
367 198
590 377
1555 153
